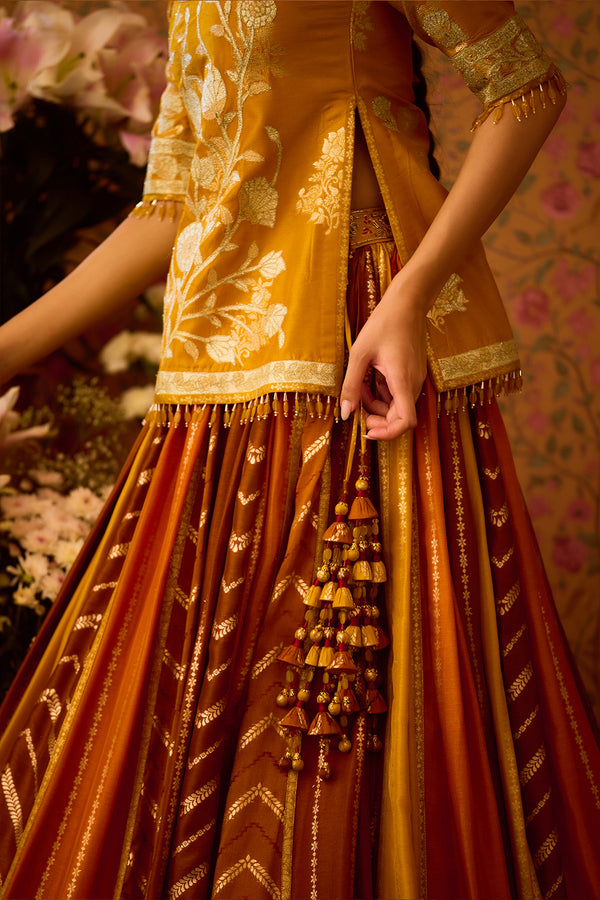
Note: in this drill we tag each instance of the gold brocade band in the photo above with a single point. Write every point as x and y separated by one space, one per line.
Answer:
369 226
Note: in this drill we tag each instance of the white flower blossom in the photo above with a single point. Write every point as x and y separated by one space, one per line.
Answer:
82 502
65 552
127 347
136 401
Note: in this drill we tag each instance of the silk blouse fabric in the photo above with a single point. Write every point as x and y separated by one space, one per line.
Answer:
255 137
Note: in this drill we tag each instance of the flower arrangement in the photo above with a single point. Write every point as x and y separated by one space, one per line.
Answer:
107 66
55 474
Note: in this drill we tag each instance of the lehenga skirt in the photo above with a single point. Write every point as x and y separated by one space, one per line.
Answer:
180 729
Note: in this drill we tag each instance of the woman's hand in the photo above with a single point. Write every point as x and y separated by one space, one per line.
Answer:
392 343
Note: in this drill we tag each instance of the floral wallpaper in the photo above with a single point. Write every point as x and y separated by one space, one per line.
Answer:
545 253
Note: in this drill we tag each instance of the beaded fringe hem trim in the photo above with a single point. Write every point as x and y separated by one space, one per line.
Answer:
164 208
320 405
524 102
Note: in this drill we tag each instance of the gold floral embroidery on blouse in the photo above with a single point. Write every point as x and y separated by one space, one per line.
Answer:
172 148
239 328
323 198
361 24
450 299
440 27
405 121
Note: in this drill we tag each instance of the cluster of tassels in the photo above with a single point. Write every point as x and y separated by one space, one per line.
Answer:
319 405
332 672
524 102
478 394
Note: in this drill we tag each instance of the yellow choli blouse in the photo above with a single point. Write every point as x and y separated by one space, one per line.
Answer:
255 137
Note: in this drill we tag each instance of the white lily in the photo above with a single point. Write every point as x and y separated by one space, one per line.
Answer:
9 419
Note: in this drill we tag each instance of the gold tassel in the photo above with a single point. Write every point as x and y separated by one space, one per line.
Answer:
378 570
353 635
325 655
370 637
342 663
312 657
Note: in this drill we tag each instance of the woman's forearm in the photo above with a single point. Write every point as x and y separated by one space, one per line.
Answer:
498 159
132 258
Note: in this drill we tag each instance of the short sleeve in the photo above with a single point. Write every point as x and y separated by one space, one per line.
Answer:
493 50
173 142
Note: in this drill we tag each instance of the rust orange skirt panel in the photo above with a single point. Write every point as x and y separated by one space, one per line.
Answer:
142 751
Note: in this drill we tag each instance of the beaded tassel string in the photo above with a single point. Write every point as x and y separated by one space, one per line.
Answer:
332 675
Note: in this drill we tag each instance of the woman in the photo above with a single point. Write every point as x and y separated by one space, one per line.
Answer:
144 753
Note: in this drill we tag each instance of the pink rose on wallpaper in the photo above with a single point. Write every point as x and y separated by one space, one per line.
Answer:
556 147
581 322
579 511
538 422
531 307
538 506
563 25
570 282
569 553
560 200
588 158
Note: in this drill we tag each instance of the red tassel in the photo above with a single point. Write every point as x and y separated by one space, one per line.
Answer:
383 640
375 702
293 655
324 723
350 703
295 718
339 532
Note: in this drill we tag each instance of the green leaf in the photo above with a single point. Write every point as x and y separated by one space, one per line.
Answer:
584 18
578 424
537 461
543 343
552 444
537 481
561 367
559 415
522 236
527 182
565 451
562 390
591 56
576 48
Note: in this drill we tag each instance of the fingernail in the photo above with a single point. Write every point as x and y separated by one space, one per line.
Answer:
346 409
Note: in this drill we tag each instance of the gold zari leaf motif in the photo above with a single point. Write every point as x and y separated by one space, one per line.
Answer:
323 198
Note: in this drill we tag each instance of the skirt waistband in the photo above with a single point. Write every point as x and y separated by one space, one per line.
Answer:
368 226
